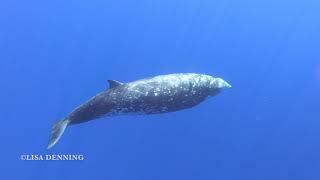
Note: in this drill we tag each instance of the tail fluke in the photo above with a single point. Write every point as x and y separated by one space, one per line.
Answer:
57 131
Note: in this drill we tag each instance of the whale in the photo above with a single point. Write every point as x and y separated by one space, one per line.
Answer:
154 95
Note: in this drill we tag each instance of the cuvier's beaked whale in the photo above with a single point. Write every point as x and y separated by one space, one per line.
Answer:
159 94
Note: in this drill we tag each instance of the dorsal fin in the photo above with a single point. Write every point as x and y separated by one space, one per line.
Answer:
113 83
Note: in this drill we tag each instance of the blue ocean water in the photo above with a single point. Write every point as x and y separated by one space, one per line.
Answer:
54 55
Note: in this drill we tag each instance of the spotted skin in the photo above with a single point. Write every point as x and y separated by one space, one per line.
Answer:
159 94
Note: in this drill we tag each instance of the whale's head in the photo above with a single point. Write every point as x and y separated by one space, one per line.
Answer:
218 84
222 84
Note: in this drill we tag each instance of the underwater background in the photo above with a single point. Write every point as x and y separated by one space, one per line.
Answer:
54 55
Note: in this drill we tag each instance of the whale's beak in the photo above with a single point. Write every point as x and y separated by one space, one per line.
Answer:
227 85
222 84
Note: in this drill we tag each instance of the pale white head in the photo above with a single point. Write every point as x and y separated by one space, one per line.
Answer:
221 84
217 84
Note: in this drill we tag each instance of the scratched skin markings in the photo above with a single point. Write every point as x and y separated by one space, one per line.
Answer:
159 94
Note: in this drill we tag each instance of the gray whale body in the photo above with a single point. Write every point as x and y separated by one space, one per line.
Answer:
159 94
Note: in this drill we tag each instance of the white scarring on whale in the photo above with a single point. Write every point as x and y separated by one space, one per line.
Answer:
159 94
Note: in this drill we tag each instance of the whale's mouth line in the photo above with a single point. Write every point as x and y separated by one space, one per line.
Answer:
228 85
